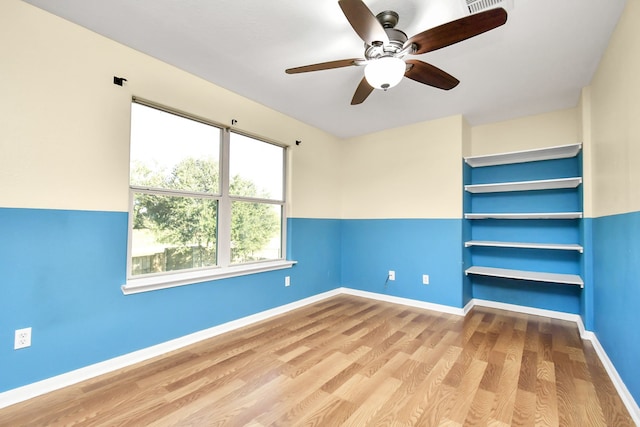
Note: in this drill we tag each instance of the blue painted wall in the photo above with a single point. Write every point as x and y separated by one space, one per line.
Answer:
587 302
61 273
62 270
546 296
467 285
315 244
617 293
549 296
410 247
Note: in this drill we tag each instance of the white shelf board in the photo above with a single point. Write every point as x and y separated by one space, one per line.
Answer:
559 152
544 184
568 279
524 245
541 215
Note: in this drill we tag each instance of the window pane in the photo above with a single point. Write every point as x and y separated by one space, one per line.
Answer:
256 168
255 231
173 152
172 233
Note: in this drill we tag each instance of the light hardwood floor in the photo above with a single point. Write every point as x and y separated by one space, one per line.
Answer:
357 362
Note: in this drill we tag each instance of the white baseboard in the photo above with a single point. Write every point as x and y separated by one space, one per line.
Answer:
403 301
621 388
623 391
533 311
29 391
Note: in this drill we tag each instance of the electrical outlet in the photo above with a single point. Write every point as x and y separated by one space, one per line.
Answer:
425 279
22 339
287 281
392 275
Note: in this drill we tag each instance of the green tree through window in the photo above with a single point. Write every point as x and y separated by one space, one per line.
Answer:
177 206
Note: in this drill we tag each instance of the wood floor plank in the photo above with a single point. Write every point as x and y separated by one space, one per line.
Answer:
353 361
508 384
481 405
608 398
524 410
336 412
301 388
370 406
463 395
420 402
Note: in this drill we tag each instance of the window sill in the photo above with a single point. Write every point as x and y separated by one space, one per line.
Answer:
153 283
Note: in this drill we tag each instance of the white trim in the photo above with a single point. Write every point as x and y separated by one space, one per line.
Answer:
543 184
623 391
534 155
404 301
621 388
224 203
525 245
29 391
153 283
536 276
560 315
531 215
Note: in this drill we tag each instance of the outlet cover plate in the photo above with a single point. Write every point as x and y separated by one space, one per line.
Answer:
22 338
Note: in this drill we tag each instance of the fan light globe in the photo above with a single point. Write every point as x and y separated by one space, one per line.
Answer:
385 72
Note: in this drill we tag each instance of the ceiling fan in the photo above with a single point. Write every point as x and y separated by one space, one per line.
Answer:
386 48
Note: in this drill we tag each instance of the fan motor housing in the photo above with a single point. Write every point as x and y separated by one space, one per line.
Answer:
388 19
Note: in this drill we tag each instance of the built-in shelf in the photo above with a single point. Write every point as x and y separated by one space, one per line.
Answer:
523 245
557 175
567 279
560 152
542 215
544 184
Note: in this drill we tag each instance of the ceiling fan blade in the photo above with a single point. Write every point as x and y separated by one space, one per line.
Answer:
362 92
325 65
430 75
363 22
457 31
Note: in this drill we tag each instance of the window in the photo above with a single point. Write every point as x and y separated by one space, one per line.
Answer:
256 210
202 197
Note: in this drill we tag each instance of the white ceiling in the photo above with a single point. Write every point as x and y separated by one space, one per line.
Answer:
537 62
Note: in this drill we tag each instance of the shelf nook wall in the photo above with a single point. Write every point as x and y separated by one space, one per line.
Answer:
523 211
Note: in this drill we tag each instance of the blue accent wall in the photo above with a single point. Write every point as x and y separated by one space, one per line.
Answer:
527 171
587 302
467 285
316 245
410 247
617 293
548 296
61 272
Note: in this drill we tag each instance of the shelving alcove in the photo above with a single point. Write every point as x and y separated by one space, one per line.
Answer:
523 213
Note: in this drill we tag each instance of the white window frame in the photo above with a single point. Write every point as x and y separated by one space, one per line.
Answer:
224 269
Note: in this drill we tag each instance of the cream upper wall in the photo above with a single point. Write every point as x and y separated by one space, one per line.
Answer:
555 128
65 130
64 136
584 106
526 133
409 172
615 119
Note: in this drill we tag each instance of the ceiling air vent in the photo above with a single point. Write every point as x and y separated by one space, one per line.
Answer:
476 6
